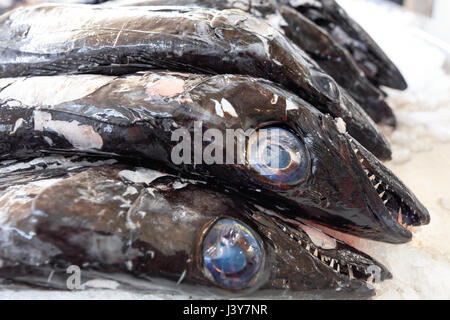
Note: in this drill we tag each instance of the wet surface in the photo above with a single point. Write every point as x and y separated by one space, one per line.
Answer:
412 165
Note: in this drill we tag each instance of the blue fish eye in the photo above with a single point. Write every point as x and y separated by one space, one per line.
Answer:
326 85
278 156
232 254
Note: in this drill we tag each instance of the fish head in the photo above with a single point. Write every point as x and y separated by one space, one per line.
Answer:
114 220
250 250
308 166
296 71
371 59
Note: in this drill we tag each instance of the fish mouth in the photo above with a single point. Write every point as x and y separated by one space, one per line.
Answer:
389 199
345 262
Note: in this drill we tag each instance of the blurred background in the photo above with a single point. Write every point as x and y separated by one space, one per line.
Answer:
438 10
415 35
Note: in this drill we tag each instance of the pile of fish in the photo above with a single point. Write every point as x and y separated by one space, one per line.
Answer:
91 96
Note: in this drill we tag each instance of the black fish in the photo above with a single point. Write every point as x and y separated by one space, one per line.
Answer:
314 40
121 40
143 229
326 176
368 55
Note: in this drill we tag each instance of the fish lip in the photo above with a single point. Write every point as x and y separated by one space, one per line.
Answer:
345 256
390 201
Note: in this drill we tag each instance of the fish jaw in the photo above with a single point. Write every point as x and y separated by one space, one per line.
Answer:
337 192
386 207
343 266
401 203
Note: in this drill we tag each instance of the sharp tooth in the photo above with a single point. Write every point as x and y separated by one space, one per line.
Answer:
377 185
355 150
299 242
399 217
366 171
372 178
308 247
338 268
316 253
361 160
382 194
332 263
385 201
350 272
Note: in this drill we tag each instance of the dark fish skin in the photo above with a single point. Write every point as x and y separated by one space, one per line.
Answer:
338 63
114 220
368 55
314 40
127 116
120 40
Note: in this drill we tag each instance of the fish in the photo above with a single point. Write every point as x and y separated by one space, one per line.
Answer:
333 58
96 184
117 41
374 62
131 228
324 175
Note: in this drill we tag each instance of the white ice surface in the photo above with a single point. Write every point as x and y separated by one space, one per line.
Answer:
421 147
421 269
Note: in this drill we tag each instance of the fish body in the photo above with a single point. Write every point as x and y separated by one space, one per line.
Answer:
136 228
367 54
330 55
123 40
135 117
128 175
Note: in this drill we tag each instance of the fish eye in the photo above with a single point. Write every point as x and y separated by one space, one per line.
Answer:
278 156
326 85
233 254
